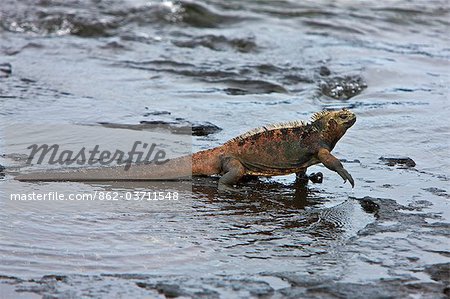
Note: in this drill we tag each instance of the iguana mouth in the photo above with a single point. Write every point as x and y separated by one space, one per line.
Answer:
351 122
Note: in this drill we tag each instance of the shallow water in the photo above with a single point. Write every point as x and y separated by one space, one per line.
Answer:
237 65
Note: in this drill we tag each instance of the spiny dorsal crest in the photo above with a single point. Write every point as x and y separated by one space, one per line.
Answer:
318 115
277 126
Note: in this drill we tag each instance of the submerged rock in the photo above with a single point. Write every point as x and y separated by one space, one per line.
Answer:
220 43
204 129
5 69
316 177
177 126
243 87
167 289
439 272
401 161
196 15
324 71
342 88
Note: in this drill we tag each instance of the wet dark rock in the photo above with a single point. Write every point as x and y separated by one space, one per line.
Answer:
388 186
62 278
27 80
177 126
113 45
369 205
156 122
420 204
296 78
10 278
306 286
182 13
162 65
446 292
342 88
207 287
90 28
167 289
439 272
388 210
443 229
57 22
128 276
5 69
324 71
402 161
316 178
235 91
437 191
388 289
267 68
38 289
205 129
243 87
254 287
301 286
173 127
300 279
200 16
156 113
350 161
220 43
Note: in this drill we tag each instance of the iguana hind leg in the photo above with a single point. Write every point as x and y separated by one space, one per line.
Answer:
233 171
333 163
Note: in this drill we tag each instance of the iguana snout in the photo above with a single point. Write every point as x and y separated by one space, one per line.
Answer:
345 118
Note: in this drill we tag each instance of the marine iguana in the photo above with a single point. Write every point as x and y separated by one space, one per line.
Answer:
272 150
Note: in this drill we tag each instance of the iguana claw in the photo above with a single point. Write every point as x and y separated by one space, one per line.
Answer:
346 176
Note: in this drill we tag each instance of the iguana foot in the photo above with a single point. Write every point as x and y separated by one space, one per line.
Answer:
233 171
346 176
332 163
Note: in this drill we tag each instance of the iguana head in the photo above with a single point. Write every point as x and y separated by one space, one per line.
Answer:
333 124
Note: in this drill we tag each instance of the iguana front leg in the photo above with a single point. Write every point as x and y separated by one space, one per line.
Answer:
233 171
302 178
333 163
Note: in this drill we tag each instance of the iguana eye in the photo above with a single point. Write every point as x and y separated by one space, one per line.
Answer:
343 116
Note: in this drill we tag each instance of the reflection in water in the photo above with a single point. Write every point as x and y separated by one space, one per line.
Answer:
262 220
273 208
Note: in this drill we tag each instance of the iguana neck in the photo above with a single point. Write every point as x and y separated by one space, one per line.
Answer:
330 135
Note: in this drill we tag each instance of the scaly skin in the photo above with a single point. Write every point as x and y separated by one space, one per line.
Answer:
278 150
268 151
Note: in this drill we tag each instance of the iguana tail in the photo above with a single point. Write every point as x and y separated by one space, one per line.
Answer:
201 163
174 169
